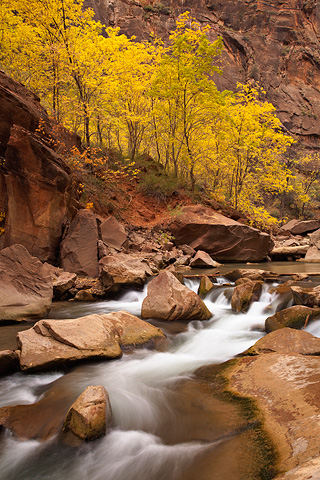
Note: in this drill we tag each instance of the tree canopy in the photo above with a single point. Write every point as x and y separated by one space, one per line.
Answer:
149 97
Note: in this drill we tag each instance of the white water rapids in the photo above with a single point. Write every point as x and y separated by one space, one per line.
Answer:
140 387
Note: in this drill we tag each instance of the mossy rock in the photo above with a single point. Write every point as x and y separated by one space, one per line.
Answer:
293 317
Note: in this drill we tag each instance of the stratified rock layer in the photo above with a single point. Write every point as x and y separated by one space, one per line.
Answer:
224 239
35 184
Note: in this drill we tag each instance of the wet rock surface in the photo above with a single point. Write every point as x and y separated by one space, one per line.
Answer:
90 415
297 316
52 343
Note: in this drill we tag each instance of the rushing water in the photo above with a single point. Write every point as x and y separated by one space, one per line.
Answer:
163 423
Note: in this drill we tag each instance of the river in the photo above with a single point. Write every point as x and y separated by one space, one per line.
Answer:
166 425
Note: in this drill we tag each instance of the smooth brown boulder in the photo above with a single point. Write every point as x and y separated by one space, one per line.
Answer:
293 317
224 239
123 269
79 248
203 260
25 285
245 294
90 415
168 299
54 343
113 233
286 340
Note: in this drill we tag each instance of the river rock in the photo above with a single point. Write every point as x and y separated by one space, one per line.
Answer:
83 296
224 239
9 361
59 343
285 253
113 234
123 269
286 340
90 415
306 296
79 248
25 285
249 273
299 227
168 299
203 260
293 317
245 294
63 283
205 286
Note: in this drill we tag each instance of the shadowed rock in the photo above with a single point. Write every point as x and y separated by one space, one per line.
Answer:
25 285
245 294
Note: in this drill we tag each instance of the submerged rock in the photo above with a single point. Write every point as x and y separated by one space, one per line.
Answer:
52 343
168 299
293 317
25 285
90 415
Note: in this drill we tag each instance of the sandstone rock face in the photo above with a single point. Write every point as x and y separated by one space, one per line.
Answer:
293 317
286 340
203 260
52 343
63 283
35 184
25 285
245 294
79 248
313 253
224 239
113 233
274 43
286 390
123 269
168 299
90 415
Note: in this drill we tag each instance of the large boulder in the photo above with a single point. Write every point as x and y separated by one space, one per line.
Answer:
113 234
79 248
90 415
299 227
224 239
168 299
123 269
25 285
53 343
36 197
245 294
292 317
286 340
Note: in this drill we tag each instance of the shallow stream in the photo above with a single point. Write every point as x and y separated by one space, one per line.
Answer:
167 424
